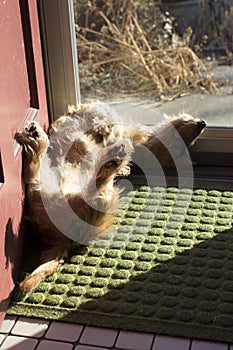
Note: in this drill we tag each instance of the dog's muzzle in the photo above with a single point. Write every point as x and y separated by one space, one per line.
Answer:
202 124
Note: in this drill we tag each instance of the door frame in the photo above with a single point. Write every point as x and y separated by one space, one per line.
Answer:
59 47
214 148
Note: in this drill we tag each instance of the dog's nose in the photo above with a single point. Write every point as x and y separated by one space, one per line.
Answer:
202 124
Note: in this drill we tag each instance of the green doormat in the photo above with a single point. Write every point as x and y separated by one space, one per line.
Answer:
167 270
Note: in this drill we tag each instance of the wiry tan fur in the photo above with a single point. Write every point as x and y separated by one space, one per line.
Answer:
79 159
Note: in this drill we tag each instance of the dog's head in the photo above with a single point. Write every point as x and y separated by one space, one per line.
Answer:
170 140
188 127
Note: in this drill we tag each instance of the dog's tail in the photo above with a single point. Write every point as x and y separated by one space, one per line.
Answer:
51 260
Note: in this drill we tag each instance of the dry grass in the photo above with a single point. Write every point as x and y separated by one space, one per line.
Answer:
216 28
123 53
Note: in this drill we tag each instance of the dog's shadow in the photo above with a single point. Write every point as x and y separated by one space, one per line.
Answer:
14 252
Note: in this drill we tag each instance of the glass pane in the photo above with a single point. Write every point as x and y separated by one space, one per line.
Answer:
164 56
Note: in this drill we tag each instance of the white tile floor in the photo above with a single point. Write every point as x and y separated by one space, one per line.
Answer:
35 334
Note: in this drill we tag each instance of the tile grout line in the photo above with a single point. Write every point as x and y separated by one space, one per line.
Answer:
5 335
114 345
153 341
77 342
22 336
152 344
43 336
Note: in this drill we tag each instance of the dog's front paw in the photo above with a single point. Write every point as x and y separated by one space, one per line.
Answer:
29 132
118 151
115 154
115 159
34 136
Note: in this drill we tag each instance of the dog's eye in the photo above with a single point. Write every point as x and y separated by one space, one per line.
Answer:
35 134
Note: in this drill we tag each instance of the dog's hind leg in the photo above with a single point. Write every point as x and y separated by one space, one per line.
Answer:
51 259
